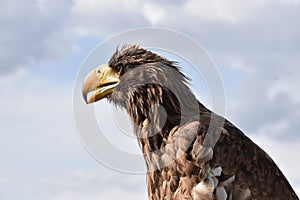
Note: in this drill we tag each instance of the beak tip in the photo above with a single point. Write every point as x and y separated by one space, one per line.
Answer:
89 85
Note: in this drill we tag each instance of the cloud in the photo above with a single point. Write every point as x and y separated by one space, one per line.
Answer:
43 154
266 100
33 32
105 18
90 185
256 48
3 180
43 31
153 13
229 11
12 77
283 155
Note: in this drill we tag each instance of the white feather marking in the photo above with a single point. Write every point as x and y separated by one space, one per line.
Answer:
217 171
202 186
203 191
164 185
205 153
221 193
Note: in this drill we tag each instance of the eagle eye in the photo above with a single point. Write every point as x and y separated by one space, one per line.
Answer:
118 68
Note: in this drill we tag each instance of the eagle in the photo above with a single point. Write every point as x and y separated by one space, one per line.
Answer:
190 152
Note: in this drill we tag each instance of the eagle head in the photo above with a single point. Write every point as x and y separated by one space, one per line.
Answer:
134 70
103 80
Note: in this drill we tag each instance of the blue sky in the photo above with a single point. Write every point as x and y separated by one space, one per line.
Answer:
254 44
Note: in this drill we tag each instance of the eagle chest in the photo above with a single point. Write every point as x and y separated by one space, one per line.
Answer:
184 180
182 170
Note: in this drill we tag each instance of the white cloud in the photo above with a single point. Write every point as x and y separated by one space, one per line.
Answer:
107 194
42 151
11 78
286 84
229 11
51 28
33 32
3 180
283 154
266 98
104 18
36 133
290 2
92 185
154 13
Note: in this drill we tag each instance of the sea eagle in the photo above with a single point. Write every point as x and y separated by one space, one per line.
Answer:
190 152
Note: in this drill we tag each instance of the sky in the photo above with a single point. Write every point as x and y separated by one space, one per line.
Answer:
255 46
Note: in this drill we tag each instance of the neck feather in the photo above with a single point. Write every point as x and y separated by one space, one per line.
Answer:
155 111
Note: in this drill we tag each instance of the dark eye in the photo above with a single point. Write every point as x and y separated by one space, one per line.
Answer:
118 68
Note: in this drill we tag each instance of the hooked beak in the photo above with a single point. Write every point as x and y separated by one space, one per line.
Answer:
99 83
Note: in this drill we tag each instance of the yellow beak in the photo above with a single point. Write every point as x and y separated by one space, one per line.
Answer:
99 83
